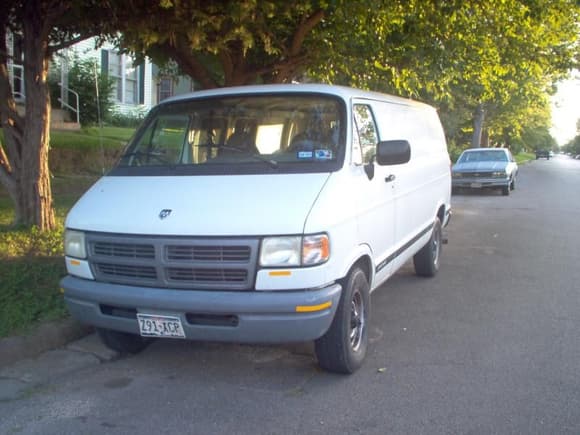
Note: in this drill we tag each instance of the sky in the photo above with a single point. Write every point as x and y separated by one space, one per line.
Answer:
566 109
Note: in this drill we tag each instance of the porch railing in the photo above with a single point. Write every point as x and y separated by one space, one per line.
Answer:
16 74
64 104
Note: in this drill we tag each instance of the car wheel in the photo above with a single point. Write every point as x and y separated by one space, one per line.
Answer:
513 184
343 348
426 261
505 190
122 342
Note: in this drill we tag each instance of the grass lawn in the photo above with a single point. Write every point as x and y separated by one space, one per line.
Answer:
32 264
524 157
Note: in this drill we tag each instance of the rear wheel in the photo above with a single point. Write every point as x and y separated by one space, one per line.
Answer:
123 342
426 261
343 348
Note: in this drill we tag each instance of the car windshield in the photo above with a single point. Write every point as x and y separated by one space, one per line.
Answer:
483 156
253 133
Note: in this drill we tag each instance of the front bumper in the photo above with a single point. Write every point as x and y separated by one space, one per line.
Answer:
478 183
260 317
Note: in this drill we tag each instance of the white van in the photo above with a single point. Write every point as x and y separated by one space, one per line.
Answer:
260 214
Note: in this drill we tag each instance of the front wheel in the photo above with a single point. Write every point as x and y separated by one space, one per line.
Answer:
122 342
426 261
343 348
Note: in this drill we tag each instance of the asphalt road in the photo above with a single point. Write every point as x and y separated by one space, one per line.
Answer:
490 345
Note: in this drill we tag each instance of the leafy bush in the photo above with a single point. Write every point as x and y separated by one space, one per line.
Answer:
130 120
81 79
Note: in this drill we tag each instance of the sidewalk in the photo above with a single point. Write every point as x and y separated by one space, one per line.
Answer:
47 336
53 350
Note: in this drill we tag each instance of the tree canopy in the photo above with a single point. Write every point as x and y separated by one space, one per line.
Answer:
492 59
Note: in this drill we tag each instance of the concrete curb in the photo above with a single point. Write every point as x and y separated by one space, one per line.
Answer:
47 336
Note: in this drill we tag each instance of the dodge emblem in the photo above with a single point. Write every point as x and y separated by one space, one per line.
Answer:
164 213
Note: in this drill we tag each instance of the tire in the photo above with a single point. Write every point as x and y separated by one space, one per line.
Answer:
505 190
344 346
513 184
122 342
427 260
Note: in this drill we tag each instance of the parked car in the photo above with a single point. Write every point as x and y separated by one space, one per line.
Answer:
543 154
485 168
260 214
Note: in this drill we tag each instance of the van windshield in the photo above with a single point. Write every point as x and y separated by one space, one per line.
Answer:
247 133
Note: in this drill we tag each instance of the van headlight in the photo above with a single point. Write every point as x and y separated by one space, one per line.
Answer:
294 250
74 244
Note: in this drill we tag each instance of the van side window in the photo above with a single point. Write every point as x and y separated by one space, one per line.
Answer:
365 134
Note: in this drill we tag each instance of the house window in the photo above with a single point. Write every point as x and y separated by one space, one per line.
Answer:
131 89
125 77
165 89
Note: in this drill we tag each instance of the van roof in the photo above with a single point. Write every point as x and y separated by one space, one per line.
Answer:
343 92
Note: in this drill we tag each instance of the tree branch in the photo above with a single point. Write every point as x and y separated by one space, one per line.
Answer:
305 26
190 64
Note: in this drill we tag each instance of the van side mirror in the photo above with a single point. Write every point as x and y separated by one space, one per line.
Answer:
393 152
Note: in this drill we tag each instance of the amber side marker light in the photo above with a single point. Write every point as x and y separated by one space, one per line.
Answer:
280 273
313 308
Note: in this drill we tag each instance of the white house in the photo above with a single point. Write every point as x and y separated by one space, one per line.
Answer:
137 87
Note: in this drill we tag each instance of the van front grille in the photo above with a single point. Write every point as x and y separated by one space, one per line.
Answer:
174 262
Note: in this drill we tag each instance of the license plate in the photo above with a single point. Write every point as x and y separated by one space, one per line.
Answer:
153 325
475 185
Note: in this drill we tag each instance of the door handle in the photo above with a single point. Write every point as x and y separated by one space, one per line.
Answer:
390 178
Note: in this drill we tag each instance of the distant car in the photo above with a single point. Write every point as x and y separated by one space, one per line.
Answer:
485 168
543 154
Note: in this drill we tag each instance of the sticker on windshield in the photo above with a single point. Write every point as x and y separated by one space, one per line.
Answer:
323 154
305 154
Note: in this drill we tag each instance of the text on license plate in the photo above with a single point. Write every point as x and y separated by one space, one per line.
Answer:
153 325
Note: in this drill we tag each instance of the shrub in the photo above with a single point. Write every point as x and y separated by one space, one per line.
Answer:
81 79
131 120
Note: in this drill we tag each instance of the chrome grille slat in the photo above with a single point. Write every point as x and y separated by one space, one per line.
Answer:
206 275
124 250
189 263
208 253
127 271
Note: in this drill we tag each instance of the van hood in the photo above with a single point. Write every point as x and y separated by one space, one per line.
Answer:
229 205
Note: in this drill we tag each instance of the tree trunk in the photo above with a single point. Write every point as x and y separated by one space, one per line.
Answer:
478 126
35 195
